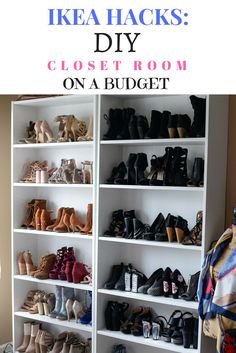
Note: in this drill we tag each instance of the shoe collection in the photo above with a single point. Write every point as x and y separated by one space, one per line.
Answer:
39 217
168 170
70 129
124 124
180 329
36 340
126 225
161 282
62 266
68 173
39 302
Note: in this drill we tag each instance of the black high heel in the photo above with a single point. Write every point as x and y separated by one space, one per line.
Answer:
183 125
172 126
172 326
170 227
154 128
164 123
187 329
118 173
156 227
139 228
181 229
142 126
178 285
191 293
140 166
131 178
167 282
197 174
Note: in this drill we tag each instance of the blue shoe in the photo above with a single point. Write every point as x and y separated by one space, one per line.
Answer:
87 318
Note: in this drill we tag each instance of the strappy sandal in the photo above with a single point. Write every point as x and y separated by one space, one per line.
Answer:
172 326
195 235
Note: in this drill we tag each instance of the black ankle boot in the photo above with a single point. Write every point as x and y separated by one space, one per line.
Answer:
117 226
179 166
172 126
197 175
155 124
199 119
118 173
114 276
120 284
140 166
178 285
164 123
183 125
127 114
157 171
187 329
139 228
129 226
167 282
191 293
133 128
131 180
142 125
114 120
168 169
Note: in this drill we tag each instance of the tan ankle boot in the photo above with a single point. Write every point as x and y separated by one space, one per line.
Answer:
37 204
30 267
33 334
62 227
87 229
21 264
26 339
46 265
57 221
57 347
75 223
45 219
37 340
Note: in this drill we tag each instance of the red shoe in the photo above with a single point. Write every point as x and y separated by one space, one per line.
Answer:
79 272
53 274
68 271
69 256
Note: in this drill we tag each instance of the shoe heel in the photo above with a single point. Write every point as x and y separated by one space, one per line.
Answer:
182 132
172 132
186 339
46 309
40 308
170 233
179 234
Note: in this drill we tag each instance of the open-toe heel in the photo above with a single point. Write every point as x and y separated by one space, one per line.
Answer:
172 326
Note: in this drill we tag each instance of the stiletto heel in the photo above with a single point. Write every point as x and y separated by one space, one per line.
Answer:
38 132
77 310
46 131
69 308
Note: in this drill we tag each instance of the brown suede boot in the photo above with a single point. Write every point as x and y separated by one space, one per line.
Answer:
29 214
57 221
75 223
26 339
87 229
37 204
45 219
46 265
37 219
33 334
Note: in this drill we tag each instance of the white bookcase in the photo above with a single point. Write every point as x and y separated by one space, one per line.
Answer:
103 252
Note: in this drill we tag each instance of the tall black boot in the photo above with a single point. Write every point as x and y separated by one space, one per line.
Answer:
163 133
142 125
179 166
130 169
199 119
115 122
140 166
168 169
155 124
127 114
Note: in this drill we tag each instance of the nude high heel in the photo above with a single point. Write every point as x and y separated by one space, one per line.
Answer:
69 308
38 132
78 310
29 262
21 264
47 132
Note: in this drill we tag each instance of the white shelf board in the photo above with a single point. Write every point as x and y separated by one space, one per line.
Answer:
164 244
160 142
54 145
75 235
149 298
65 99
43 318
146 341
49 185
54 282
147 187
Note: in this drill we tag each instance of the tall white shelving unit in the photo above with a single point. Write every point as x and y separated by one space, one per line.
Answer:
103 252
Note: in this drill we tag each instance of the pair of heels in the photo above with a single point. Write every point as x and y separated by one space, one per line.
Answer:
25 263
74 307
43 132
68 173
32 171
72 129
176 228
